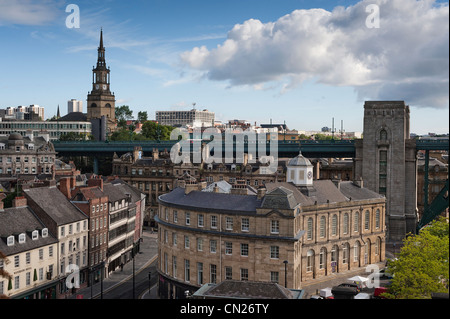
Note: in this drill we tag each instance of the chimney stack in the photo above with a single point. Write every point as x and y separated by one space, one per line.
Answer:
96 181
19 201
64 187
261 192
189 187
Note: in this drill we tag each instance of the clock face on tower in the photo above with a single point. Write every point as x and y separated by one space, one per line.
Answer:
309 175
97 86
104 87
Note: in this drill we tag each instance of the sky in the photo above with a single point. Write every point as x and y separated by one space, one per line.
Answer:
303 63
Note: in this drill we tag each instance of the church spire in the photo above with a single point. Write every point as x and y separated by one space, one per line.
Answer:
101 39
101 62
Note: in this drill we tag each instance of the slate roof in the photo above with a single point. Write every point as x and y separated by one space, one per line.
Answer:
354 192
18 220
55 204
207 201
249 290
280 198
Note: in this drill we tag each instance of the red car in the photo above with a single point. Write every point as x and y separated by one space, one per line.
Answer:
378 291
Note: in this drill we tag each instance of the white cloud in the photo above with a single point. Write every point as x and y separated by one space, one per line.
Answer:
406 58
29 12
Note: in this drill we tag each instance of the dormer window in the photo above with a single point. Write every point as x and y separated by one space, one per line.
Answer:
10 241
35 235
31 146
44 232
21 238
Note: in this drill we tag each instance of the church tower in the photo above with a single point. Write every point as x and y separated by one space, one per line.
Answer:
100 101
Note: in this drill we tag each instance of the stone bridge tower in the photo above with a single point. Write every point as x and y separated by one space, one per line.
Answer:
386 161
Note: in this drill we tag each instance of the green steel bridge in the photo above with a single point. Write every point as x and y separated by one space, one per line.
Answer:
285 149
309 148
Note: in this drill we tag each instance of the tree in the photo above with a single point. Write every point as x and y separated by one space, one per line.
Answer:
155 131
142 117
72 136
422 265
123 113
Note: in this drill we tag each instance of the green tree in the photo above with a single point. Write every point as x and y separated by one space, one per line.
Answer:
142 117
422 265
155 131
123 114
72 136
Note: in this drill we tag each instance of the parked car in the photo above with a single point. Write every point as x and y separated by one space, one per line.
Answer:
378 291
350 285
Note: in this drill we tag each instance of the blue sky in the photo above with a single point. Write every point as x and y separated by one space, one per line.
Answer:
303 62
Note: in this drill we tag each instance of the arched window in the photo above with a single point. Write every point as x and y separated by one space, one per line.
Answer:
346 223
322 258
310 228
309 260
356 222
377 219
322 227
383 135
334 225
345 253
367 220
356 247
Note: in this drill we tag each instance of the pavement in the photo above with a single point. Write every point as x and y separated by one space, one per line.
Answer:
148 254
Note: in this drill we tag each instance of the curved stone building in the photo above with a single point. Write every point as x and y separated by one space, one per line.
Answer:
298 231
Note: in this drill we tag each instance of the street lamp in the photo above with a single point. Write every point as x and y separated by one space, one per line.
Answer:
285 273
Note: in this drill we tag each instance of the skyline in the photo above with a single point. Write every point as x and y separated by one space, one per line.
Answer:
315 61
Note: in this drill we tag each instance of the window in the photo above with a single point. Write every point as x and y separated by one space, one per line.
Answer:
188 218
310 228
16 261
334 225
10 241
229 223
382 175
27 258
187 271
228 273
377 219
21 238
213 273
199 244
228 248
366 220
322 227
274 276
213 246
245 224
322 258
200 220
200 273
309 260
345 223
244 249
175 216
244 274
274 252
274 226
213 221
174 266
35 235
345 254
356 251
186 242
356 222
174 239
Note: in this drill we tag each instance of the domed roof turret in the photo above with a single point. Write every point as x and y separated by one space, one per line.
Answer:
299 160
15 137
